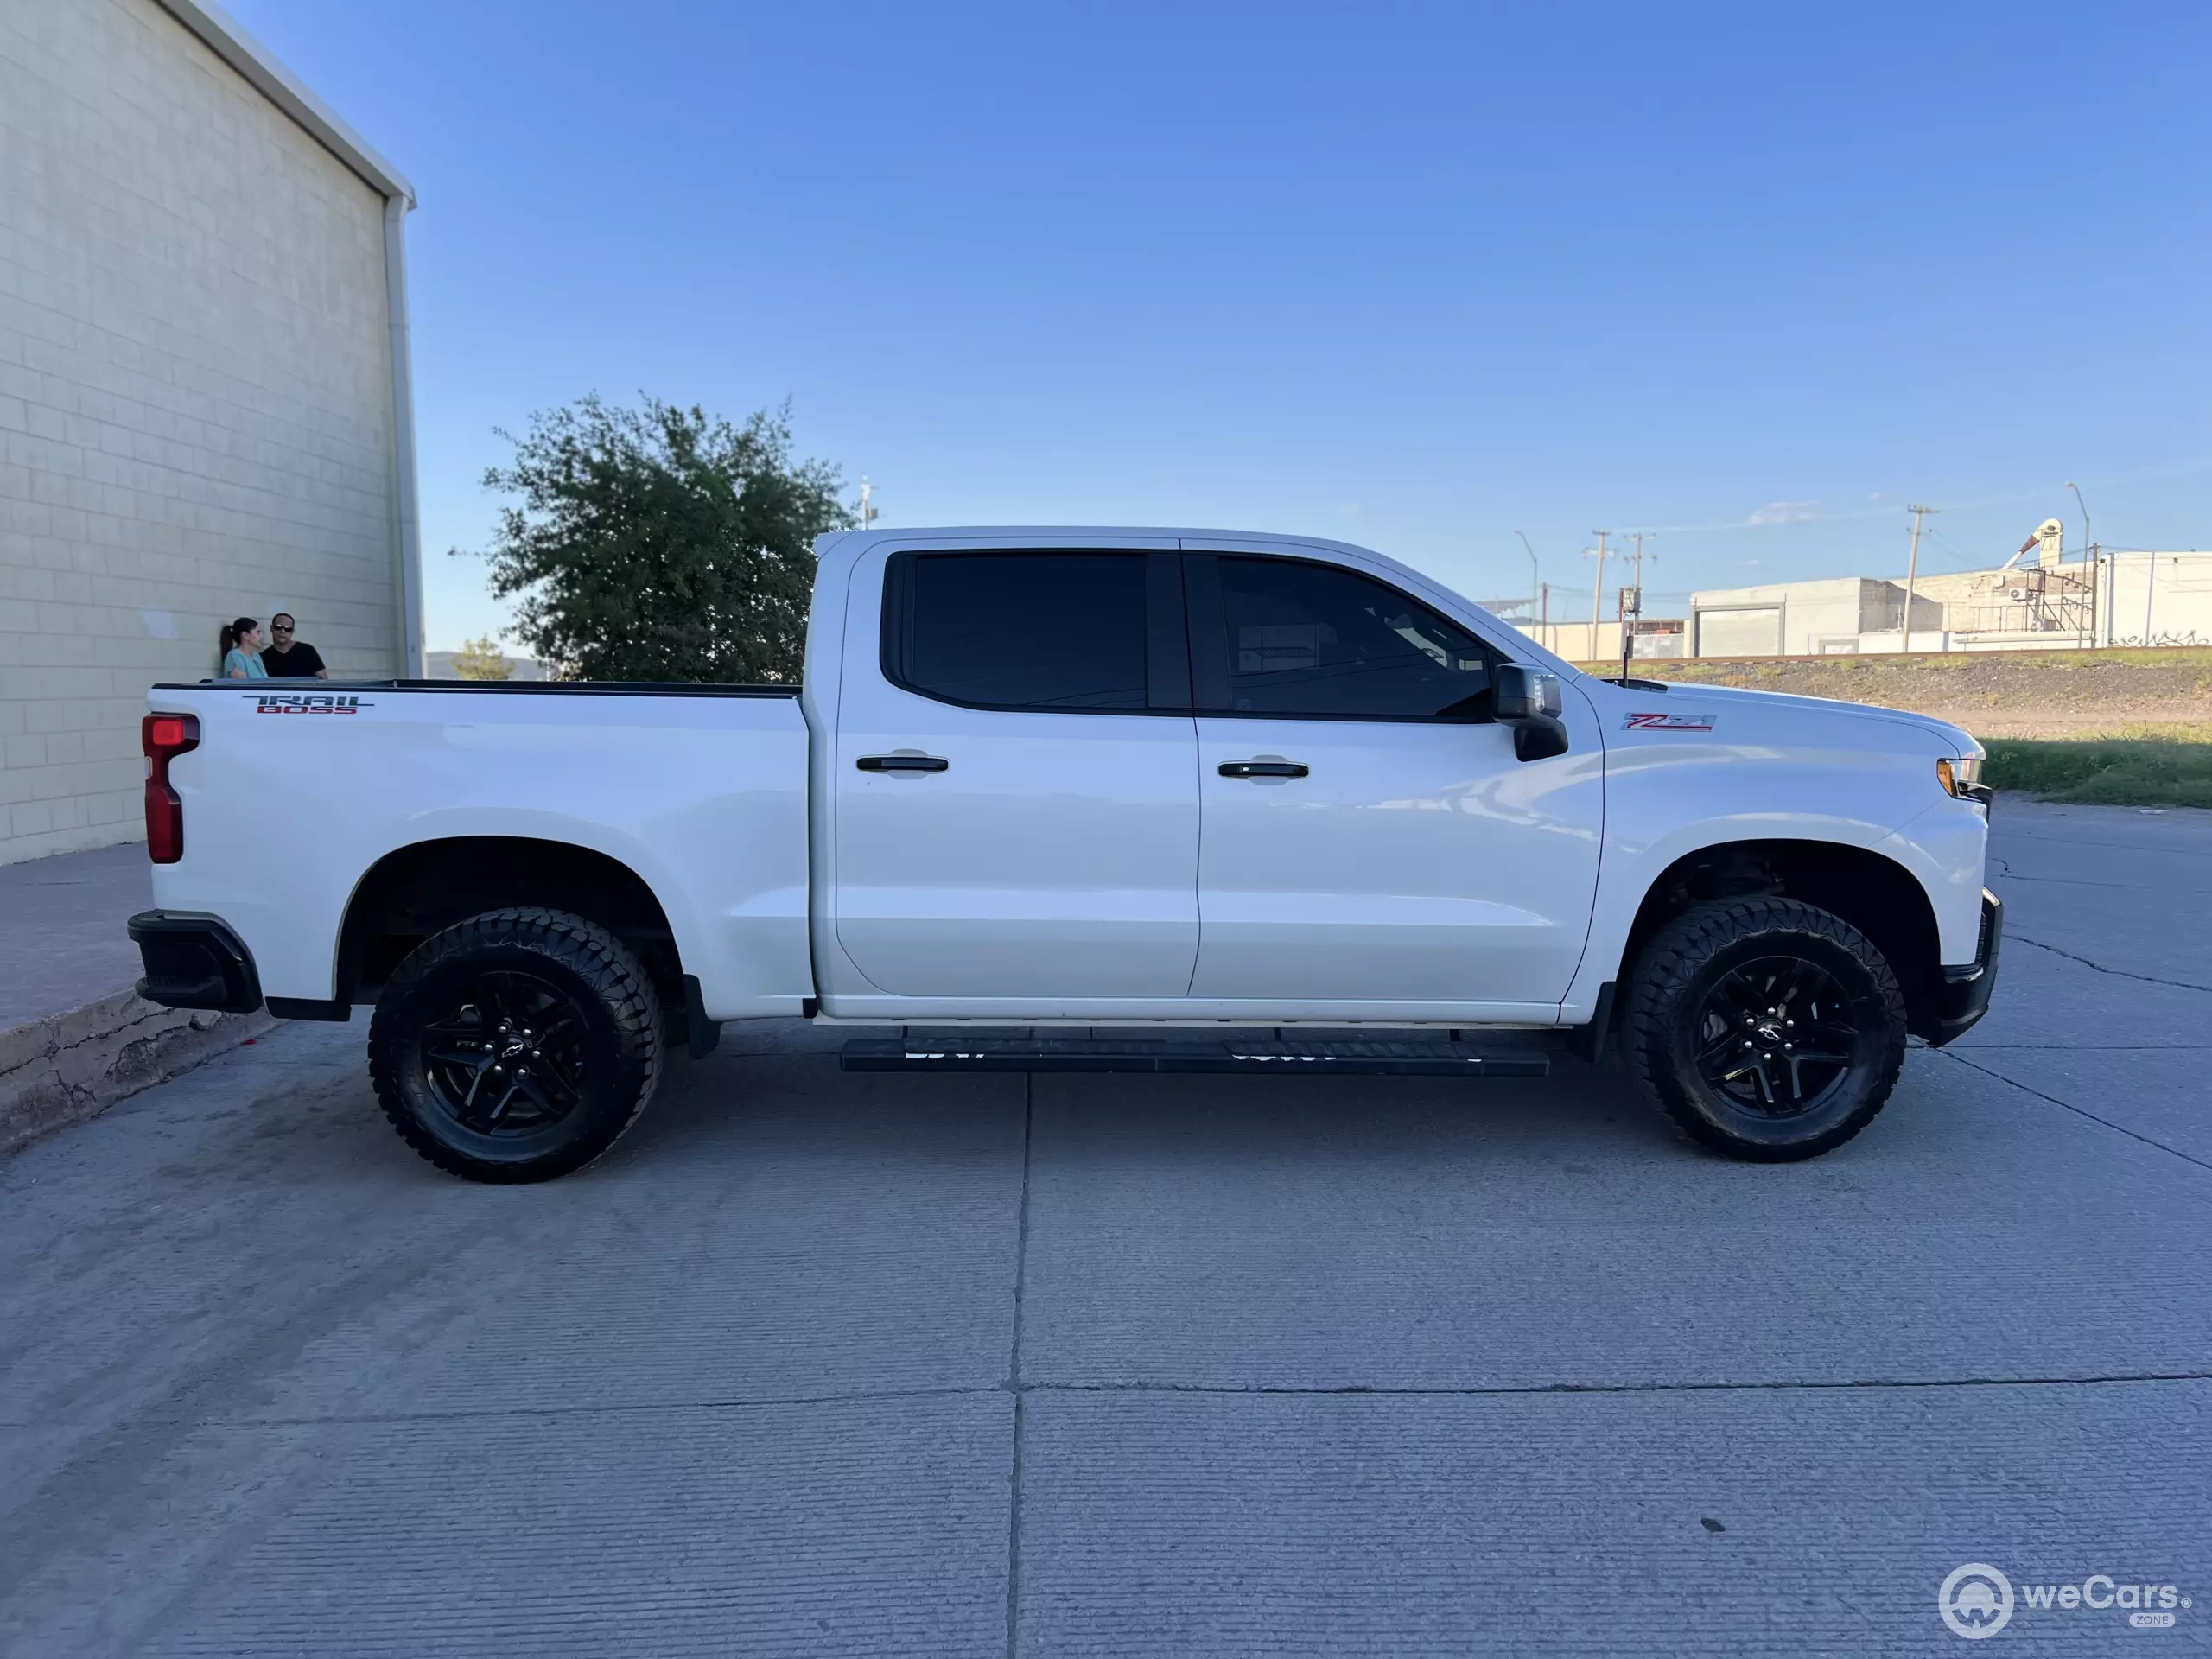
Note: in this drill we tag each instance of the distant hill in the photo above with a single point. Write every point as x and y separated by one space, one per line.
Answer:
438 665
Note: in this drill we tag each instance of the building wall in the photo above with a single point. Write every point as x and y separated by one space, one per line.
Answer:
1584 642
1800 618
2142 599
2158 599
195 398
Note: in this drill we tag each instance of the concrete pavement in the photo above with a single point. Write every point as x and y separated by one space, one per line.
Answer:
817 1363
62 940
73 1040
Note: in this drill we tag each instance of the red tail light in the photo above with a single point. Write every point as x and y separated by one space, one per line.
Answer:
164 737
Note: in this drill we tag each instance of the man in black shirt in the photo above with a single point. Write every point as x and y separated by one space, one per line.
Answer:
288 657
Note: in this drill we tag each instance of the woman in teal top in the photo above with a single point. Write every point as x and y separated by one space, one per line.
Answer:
242 643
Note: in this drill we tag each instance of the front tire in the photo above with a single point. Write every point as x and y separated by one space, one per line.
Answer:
1767 1029
517 1045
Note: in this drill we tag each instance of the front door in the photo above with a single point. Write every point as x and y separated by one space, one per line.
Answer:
1013 822
1369 834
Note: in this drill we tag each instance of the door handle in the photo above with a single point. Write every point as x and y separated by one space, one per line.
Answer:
902 763
1262 769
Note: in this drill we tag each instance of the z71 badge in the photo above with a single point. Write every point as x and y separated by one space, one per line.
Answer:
312 702
1667 723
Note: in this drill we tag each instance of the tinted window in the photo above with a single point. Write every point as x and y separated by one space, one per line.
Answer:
1020 630
1316 640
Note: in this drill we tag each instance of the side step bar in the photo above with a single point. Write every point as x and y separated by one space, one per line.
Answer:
1262 1052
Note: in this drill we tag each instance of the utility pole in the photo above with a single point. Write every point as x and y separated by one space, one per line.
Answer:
1912 575
1639 556
1636 587
868 514
1597 591
1544 616
2089 552
1535 571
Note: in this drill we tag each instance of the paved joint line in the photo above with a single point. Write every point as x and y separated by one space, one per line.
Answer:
611 1408
2012 831
2110 887
2079 1048
874 1397
2068 1105
1507 1389
2120 973
1014 1373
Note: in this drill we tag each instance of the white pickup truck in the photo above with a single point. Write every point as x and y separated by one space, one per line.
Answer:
1081 800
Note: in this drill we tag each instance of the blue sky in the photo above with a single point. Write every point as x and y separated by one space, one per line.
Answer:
1414 276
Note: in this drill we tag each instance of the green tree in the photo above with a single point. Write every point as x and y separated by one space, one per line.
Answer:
661 542
481 659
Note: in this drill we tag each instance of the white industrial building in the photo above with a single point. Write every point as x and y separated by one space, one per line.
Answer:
2114 597
2156 599
1803 619
205 409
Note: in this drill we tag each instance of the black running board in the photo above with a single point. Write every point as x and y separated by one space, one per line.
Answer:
1259 1053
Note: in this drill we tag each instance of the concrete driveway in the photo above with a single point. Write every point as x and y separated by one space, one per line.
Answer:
826 1364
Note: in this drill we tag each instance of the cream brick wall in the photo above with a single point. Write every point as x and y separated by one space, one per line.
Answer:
195 398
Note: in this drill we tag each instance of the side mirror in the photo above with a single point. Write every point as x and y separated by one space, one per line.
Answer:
1530 700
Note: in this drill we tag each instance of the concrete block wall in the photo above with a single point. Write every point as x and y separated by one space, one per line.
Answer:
195 398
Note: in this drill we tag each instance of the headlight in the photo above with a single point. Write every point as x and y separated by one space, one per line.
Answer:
1962 777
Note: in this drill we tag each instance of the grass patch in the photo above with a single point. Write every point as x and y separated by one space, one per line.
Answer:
2150 766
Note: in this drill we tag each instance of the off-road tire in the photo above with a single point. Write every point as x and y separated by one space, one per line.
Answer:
619 1047
1667 1000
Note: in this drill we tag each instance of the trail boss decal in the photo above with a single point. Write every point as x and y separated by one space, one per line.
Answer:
1667 723
311 703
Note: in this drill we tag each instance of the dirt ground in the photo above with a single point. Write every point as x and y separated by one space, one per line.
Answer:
1992 694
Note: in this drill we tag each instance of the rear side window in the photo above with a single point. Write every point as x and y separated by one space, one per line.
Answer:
1038 630
1325 643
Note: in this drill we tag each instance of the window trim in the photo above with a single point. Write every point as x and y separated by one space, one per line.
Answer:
1167 665
1210 674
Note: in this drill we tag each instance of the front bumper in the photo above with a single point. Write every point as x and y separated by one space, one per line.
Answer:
1962 996
195 961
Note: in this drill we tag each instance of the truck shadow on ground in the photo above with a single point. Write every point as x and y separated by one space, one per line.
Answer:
740 1116
780 1104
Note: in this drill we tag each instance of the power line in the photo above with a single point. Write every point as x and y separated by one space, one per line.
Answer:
1965 557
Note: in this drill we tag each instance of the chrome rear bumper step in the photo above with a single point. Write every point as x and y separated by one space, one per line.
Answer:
1259 1054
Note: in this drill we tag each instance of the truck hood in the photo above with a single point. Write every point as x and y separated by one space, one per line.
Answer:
1954 739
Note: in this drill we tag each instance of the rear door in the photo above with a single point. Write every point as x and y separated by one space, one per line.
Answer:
1369 834
1017 809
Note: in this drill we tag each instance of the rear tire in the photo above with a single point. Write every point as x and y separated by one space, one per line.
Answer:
517 1045
1767 1029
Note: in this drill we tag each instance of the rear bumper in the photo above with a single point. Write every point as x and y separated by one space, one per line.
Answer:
1962 996
194 960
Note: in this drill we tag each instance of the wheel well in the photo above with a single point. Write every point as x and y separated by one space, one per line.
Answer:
420 890
1877 895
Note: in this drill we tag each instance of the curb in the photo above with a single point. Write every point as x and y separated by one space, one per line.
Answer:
69 1067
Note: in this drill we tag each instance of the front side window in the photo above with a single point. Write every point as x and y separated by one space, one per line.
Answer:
1037 631
1325 643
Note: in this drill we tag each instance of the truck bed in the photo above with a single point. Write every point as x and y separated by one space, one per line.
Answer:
699 789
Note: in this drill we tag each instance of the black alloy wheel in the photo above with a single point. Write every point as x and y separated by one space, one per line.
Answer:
1766 1029
509 1059
1777 1034
517 1045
